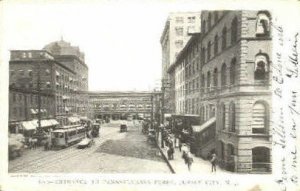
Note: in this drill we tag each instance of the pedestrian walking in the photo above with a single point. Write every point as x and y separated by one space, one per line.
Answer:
184 148
189 160
213 162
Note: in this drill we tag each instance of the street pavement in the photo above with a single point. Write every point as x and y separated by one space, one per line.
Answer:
113 152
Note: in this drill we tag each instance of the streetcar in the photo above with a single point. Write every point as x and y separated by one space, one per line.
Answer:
67 135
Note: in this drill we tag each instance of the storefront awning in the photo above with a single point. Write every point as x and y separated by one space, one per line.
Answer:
28 125
32 125
53 122
199 128
73 119
44 123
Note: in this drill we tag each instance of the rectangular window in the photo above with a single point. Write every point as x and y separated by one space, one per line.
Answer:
178 43
191 19
179 19
179 31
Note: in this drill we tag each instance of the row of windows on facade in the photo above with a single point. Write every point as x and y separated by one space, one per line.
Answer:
206 52
70 109
188 107
47 73
211 78
260 72
27 54
19 98
191 19
262 23
259 122
18 112
179 30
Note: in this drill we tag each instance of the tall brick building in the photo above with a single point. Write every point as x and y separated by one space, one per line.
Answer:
63 83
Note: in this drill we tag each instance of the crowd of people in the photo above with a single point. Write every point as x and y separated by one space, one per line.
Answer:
167 140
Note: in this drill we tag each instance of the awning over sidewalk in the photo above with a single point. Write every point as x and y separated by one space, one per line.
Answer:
199 128
28 125
73 119
32 125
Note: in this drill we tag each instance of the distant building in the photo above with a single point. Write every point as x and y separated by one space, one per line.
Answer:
120 105
177 32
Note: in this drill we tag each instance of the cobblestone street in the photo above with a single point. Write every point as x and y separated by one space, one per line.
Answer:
113 152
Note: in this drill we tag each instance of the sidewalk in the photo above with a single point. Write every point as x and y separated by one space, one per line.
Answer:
199 166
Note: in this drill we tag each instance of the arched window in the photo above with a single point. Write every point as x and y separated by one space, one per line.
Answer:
209 21
208 81
260 118
216 45
261 67
208 50
261 159
232 71
223 115
203 26
263 24
202 82
202 114
230 149
224 38
216 77
222 151
223 75
234 29
232 117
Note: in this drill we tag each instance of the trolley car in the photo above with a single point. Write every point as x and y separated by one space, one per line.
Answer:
68 135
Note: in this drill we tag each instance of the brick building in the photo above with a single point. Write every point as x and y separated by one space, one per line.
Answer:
63 76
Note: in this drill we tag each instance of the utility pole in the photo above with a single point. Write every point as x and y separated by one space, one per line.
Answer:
162 112
39 129
151 111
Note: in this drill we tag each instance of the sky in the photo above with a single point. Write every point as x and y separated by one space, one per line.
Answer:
120 39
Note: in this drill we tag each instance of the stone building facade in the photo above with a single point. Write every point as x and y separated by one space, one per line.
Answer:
236 76
234 94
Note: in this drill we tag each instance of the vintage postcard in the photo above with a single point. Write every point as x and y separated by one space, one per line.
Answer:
149 95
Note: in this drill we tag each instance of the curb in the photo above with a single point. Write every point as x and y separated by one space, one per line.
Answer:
166 159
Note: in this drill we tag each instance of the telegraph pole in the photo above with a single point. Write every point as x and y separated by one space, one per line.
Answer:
162 111
151 111
39 96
